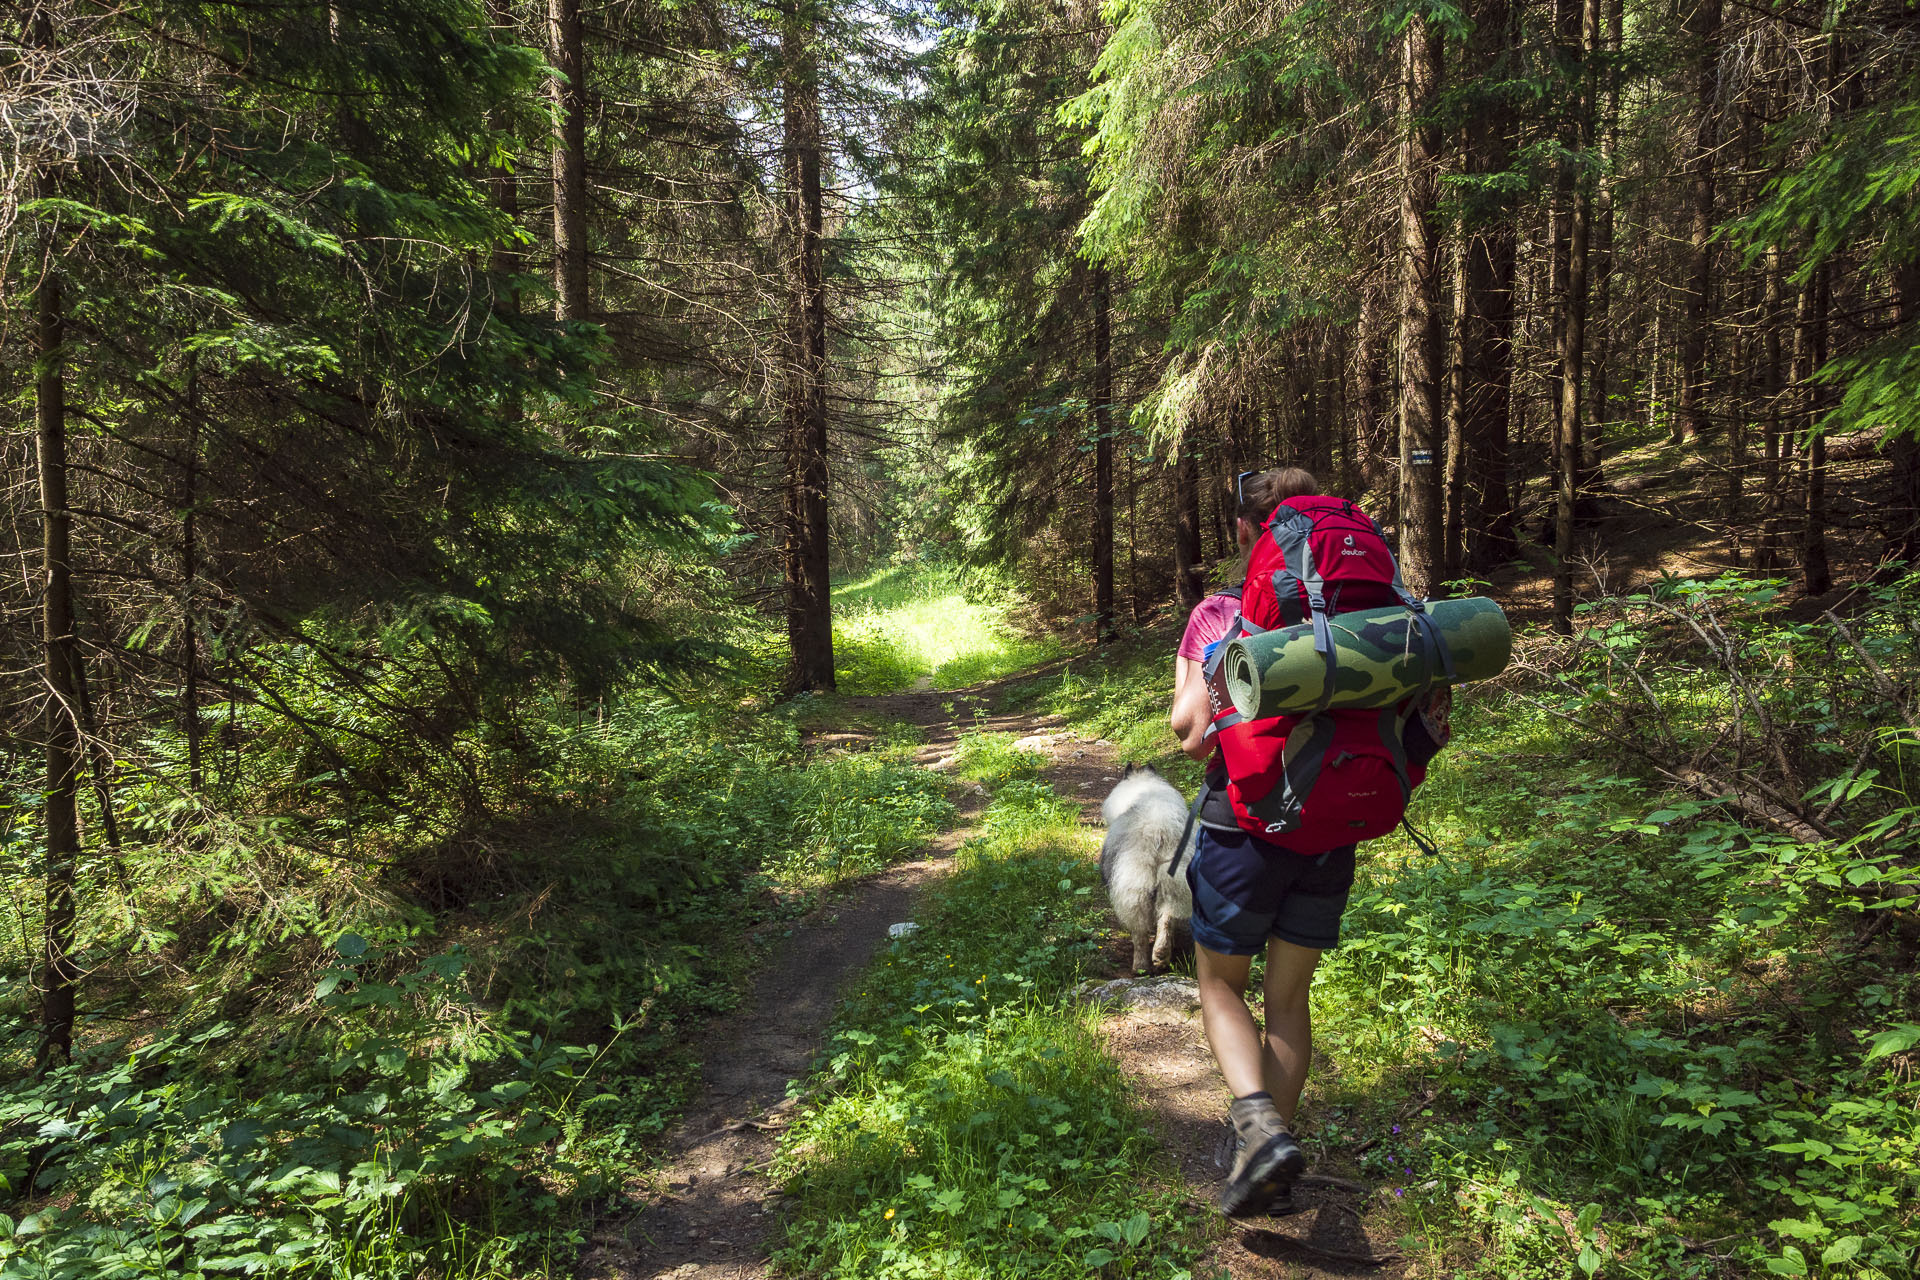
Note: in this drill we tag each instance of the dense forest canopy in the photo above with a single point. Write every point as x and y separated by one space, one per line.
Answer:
400 388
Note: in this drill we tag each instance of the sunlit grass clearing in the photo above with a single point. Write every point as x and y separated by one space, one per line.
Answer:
905 624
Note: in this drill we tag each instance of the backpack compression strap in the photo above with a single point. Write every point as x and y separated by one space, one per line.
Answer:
1193 816
1292 536
1421 619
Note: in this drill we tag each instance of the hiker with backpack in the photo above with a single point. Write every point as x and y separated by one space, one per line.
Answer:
1274 861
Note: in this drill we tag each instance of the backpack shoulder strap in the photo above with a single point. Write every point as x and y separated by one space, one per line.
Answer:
1290 530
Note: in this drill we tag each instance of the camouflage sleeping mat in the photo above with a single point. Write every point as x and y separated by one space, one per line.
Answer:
1380 658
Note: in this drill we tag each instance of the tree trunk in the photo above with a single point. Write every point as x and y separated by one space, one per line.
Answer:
1102 455
809 595
1703 33
569 91
1573 333
1766 554
1600 271
1368 402
1420 472
1810 346
189 576
1188 583
1133 534
1484 314
507 258
1903 526
1452 538
60 654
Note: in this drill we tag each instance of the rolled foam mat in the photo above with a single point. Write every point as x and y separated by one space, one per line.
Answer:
1380 658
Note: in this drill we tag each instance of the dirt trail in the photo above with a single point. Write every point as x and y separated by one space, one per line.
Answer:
711 1214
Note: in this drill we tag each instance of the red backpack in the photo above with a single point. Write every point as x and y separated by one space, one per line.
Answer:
1314 782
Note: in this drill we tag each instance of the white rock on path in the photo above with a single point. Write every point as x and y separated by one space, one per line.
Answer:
905 929
1168 998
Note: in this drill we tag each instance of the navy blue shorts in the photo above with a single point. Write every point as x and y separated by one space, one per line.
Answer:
1246 891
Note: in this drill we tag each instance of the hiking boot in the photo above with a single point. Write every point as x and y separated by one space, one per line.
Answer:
1266 1159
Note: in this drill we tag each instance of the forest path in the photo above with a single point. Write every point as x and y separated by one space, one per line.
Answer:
709 1207
710 1211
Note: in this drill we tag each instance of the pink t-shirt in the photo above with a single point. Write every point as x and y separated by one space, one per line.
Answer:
1207 623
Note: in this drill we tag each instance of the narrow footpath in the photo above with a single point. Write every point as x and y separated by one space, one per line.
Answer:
712 1212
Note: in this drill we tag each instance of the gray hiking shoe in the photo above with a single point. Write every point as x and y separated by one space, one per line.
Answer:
1266 1159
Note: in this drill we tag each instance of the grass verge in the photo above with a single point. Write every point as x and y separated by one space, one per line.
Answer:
966 1121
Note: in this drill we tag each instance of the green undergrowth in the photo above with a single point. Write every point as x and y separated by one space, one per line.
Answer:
445 1063
913 622
1613 1029
991 759
965 1120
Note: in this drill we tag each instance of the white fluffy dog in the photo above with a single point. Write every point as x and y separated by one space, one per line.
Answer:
1145 815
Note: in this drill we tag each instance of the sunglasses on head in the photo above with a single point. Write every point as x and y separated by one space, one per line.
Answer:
1240 487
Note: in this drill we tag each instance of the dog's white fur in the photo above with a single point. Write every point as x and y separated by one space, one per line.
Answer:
1145 815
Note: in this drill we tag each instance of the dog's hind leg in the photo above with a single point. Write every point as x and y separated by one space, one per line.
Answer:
1142 954
1163 935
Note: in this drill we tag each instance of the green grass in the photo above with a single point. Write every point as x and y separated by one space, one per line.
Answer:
909 623
356 1084
966 1121
991 759
1122 695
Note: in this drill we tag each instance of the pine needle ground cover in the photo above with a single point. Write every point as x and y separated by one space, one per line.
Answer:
908 623
415 1060
965 1120
1616 1028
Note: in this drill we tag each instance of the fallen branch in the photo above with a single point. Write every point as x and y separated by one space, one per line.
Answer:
1881 681
736 1127
1334 1255
1327 1180
1801 829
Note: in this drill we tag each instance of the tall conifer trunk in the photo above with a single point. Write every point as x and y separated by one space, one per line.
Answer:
1766 556
566 46
1187 583
1368 402
1572 330
1810 353
1420 387
809 601
1103 454
189 577
60 662
1457 459
1703 33
1485 311
505 185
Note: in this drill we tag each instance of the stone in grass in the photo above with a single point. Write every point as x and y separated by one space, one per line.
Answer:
905 929
1170 997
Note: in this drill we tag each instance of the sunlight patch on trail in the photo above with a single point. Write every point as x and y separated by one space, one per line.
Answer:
914 622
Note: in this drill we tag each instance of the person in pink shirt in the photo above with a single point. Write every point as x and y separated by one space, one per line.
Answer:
1259 494
1249 897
